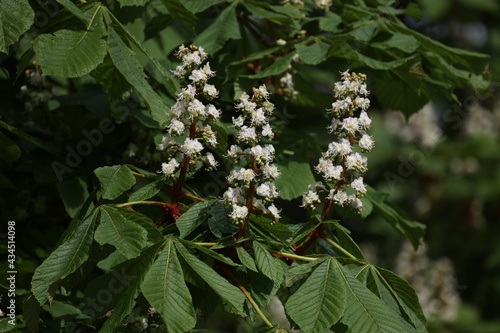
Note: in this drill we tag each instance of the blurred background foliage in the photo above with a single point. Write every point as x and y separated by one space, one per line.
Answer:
439 161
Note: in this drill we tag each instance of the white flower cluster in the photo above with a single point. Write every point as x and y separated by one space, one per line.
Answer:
343 164
190 115
252 187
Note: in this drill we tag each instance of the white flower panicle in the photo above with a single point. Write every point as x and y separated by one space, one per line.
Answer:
252 186
343 164
189 130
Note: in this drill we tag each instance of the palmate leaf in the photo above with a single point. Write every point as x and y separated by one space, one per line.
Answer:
231 295
126 62
225 27
70 255
365 312
320 301
16 17
114 228
147 191
69 53
165 289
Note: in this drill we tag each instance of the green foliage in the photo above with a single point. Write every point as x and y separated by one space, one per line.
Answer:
165 248
15 19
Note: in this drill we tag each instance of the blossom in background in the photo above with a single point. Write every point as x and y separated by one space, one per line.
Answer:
189 130
251 186
343 164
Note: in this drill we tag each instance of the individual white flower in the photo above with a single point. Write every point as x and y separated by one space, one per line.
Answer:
233 195
238 122
246 134
212 111
281 42
202 52
366 142
211 160
333 172
198 75
176 126
207 70
341 197
178 108
364 120
192 58
262 92
270 171
210 90
358 185
188 93
239 213
179 71
267 131
323 4
166 142
191 147
350 125
234 151
267 189
341 148
357 204
168 169
246 175
363 103
258 117
274 211
196 108
309 199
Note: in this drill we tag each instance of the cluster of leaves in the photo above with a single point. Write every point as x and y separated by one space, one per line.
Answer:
124 229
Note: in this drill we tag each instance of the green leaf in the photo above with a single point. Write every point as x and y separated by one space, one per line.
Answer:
16 17
26 137
112 81
320 301
403 42
225 27
313 54
295 178
10 151
147 191
347 242
153 233
330 22
69 53
128 237
114 180
193 217
303 231
403 290
127 63
178 11
73 9
266 263
221 135
73 194
246 259
213 254
165 289
278 66
219 222
122 285
365 312
65 259
229 293
124 3
411 229
274 229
